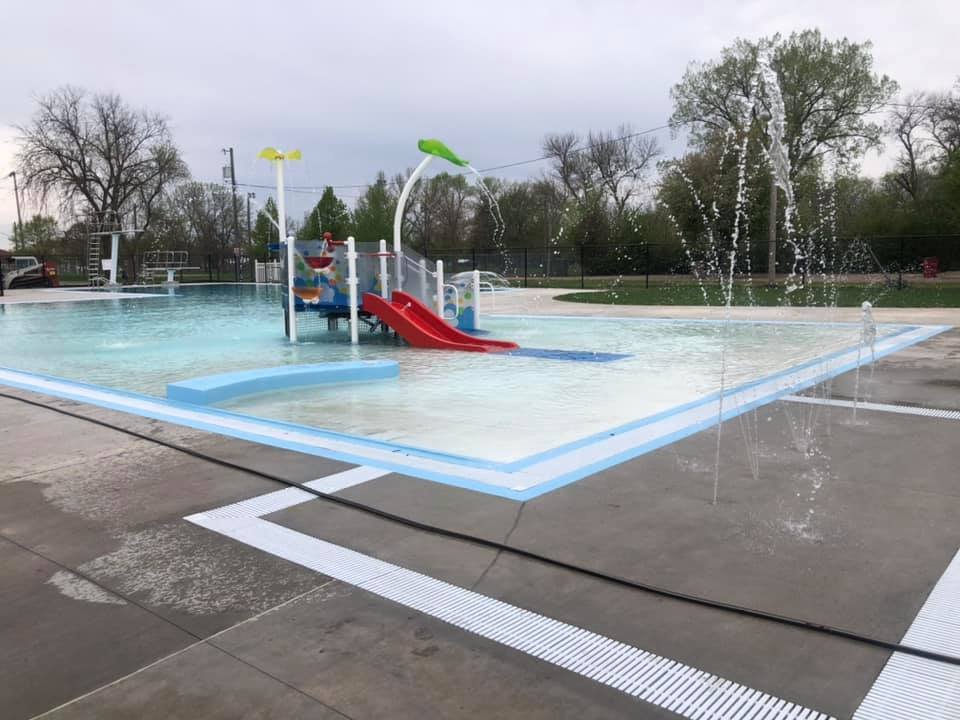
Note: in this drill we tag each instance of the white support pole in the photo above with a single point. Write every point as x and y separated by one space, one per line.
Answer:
440 288
423 279
291 250
384 277
352 283
476 299
114 257
398 220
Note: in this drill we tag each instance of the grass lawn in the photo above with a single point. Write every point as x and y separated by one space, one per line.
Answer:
914 295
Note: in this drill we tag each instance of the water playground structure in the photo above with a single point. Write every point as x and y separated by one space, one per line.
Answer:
344 279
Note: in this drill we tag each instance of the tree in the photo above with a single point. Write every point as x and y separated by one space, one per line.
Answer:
373 216
619 161
602 178
328 215
205 212
907 123
943 122
98 156
828 89
38 235
264 232
437 212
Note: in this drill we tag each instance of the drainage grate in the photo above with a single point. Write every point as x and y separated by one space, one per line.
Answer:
663 682
282 499
878 407
915 688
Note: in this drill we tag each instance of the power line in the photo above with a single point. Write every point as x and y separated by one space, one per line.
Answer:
318 189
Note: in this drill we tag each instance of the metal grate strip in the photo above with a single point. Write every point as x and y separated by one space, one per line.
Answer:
666 683
915 688
287 498
877 407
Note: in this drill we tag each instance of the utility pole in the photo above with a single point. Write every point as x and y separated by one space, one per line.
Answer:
250 195
233 187
16 195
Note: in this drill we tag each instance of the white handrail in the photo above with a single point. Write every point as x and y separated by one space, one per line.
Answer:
475 281
493 293
384 277
439 276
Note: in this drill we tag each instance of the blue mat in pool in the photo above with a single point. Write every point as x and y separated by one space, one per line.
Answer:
574 355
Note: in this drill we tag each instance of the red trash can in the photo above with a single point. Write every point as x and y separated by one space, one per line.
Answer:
931 266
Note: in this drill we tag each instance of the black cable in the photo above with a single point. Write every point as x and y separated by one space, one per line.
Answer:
319 189
520 552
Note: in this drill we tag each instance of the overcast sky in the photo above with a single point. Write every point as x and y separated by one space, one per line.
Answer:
354 84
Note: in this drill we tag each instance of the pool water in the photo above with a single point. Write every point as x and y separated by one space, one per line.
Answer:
488 406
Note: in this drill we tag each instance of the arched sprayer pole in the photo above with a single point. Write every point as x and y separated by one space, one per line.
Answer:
398 220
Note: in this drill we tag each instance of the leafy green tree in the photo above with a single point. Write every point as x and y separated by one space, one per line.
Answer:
829 89
39 235
373 216
264 233
328 215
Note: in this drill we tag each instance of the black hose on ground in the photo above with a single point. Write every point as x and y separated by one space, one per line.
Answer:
788 621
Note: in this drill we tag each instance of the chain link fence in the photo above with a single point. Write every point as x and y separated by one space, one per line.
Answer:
898 259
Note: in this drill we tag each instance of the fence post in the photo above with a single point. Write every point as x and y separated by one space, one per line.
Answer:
236 267
525 284
900 266
209 267
474 258
581 268
646 265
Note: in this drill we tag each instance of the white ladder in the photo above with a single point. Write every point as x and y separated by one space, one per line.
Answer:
94 268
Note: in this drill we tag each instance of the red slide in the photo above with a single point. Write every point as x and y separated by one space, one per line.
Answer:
421 327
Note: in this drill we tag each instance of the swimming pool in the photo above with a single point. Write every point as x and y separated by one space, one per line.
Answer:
488 410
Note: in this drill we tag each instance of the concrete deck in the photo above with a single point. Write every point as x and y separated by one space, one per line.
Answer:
114 605
60 295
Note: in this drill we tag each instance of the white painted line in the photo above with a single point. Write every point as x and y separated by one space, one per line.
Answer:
660 681
878 407
913 687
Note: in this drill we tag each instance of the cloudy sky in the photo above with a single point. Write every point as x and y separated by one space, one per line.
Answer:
353 84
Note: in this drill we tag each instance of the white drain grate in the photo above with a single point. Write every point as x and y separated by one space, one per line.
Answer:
878 407
282 499
915 688
666 683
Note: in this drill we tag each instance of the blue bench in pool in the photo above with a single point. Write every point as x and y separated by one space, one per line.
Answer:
211 389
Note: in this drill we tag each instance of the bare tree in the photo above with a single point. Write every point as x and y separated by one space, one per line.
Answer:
908 124
97 156
620 162
195 216
943 122
570 165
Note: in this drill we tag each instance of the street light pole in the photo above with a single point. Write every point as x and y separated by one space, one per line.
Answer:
250 195
16 195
